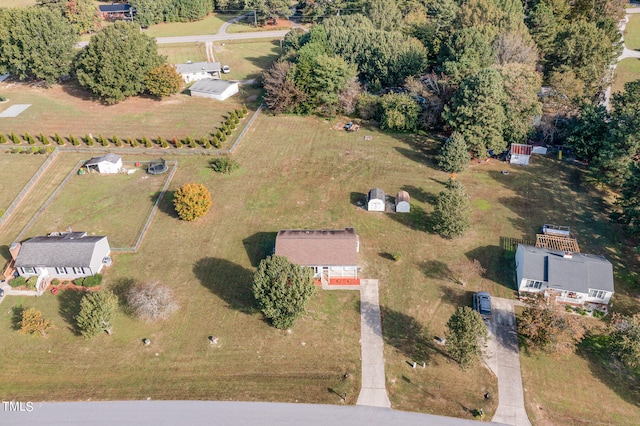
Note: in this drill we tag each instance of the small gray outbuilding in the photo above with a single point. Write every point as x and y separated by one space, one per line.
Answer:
403 202
376 200
213 89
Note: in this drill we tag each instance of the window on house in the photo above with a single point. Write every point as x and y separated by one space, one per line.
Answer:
28 270
596 294
533 284
61 270
77 270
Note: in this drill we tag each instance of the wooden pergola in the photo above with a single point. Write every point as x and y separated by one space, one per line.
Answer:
556 242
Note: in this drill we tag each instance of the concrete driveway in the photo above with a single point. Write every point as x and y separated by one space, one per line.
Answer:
504 360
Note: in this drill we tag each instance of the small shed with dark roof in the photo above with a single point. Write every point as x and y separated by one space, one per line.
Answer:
570 277
64 256
332 253
403 202
109 164
376 200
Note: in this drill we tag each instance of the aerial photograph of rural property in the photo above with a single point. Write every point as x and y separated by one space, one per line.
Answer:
319 212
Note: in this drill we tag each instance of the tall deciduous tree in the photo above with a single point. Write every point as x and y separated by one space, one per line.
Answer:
544 327
270 9
163 81
454 155
282 290
451 215
82 14
192 201
281 93
32 322
117 61
624 337
35 43
152 301
466 336
477 111
398 112
97 309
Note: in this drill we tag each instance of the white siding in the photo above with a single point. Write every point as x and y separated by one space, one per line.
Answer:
375 206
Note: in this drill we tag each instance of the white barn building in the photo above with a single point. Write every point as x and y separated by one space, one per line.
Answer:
108 164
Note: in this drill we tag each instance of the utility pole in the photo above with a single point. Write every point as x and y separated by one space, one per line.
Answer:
255 18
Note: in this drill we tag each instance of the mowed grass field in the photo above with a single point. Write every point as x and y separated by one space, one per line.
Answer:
15 171
114 205
209 25
68 109
246 60
180 53
17 3
301 172
627 70
632 33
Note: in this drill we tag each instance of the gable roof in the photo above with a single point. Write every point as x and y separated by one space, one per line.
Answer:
115 7
403 196
195 67
109 158
326 247
210 85
64 250
376 194
521 149
579 273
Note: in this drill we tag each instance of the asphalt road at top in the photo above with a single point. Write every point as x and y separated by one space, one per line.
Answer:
214 37
196 413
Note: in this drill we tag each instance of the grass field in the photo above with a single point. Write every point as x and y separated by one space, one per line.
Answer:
68 109
626 71
209 25
180 53
17 3
298 172
246 26
112 205
246 60
632 33
15 172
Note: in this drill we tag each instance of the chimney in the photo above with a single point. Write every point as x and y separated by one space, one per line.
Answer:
568 255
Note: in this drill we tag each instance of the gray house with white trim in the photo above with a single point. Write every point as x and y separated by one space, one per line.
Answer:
573 278
65 256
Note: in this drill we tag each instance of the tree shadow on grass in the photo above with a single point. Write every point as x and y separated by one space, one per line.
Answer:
457 296
229 281
437 269
121 288
417 219
16 316
166 205
4 252
498 263
69 307
623 381
420 194
259 245
358 199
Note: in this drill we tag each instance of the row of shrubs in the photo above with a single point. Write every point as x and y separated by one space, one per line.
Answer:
90 281
32 150
215 141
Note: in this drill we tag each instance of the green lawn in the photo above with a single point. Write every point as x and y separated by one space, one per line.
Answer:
626 71
304 172
112 205
209 25
246 59
180 53
69 109
246 26
17 3
15 172
632 33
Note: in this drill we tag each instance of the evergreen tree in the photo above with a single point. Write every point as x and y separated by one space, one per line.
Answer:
452 212
454 156
282 290
466 336
97 309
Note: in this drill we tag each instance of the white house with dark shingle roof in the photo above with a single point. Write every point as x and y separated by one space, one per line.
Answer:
574 278
65 256
331 253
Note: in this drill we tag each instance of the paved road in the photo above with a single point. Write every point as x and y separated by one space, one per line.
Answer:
626 53
373 391
196 413
503 359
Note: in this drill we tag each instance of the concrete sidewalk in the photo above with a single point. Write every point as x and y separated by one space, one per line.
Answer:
504 360
373 391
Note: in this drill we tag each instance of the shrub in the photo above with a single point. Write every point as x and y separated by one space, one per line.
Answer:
55 281
207 144
3 98
152 301
244 109
3 138
164 144
97 309
43 139
232 117
133 142
240 113
367 106
17 150
216 142
146 142
223 137
79 281
92 280
59 140
74 141
88 139
14 138
231 126
177 143
192 143
597 313
32 282
396 255
33 323
159 140
218 134
29 139
103 141
223 128
568 308
192 201
18 281
224 165
116 140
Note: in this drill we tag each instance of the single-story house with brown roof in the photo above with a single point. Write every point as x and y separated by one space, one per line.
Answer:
331 253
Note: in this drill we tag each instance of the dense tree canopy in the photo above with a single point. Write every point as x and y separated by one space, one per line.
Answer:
282 290
454 155
82 14
624 337
117 61
466 336
451 215
35 43
163 81
97 309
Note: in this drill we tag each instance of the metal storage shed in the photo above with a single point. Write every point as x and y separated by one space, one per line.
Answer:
403 202
375 200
